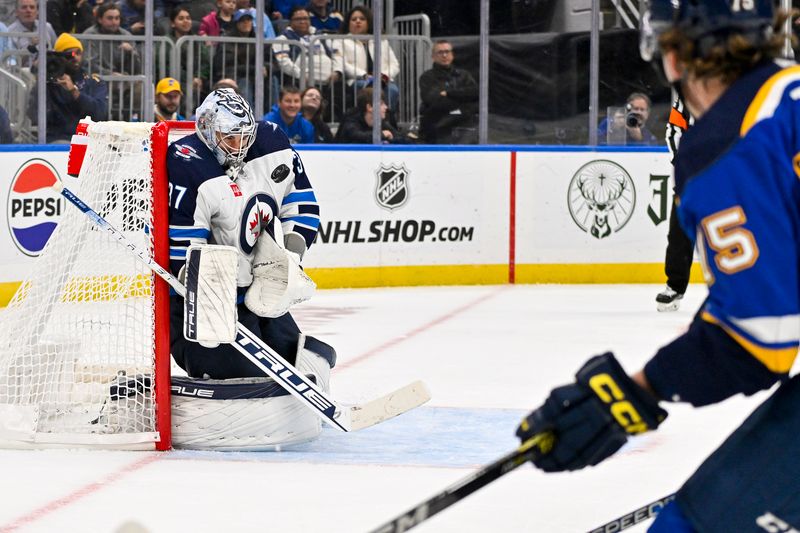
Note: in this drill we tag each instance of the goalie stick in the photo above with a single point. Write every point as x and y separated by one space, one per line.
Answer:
538 444
344 418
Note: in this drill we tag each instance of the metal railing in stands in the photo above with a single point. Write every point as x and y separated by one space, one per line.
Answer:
14 99
209 59
413 53
413 25
121 67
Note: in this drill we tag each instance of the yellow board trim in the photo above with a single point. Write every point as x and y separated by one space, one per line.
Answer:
779 361
90 289
599 273
410 276
762 95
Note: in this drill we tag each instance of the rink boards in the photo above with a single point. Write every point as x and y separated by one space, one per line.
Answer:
394 216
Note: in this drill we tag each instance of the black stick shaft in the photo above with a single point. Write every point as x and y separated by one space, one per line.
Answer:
466 486
634 517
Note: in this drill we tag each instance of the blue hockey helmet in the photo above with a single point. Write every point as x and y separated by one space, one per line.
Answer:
706 22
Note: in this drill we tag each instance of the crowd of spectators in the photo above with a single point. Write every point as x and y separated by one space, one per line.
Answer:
340 68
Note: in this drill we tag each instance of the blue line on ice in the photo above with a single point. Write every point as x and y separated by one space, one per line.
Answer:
444 437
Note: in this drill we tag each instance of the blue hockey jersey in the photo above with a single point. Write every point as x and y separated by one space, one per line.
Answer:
208 206
736 175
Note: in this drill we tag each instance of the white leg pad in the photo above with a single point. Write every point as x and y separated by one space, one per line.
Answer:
236 423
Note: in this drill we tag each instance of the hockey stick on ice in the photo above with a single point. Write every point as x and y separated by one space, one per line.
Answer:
345 418
538 444
634 517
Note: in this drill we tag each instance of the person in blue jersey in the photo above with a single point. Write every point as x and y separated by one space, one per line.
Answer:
737 180
286 114
237 185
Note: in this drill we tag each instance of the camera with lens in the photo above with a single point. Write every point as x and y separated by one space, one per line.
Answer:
634 119
57 64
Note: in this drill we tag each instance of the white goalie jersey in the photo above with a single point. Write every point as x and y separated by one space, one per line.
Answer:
207 206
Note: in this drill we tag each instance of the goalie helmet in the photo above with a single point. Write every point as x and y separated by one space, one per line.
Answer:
706 22
226 125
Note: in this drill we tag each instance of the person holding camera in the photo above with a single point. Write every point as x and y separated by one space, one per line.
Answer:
71 93
628 126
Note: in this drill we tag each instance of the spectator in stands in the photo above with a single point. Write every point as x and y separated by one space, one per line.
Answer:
269 29
313 111
5 42
628 126
132 16
356 126
449 97
356 55
323 17
71 96
168 100
181 24
226 83
111 57
286 114
282 8
69 16
28 21
237 60
219 22
289 57
6 136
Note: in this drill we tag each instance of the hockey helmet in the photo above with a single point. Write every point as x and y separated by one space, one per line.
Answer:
226 124
706 22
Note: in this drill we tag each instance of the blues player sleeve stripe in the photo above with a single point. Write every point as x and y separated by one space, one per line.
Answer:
771 340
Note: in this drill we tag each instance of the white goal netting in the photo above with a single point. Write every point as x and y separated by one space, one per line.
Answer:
77 340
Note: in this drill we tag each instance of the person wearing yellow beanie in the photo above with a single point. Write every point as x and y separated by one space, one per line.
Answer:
66 42
71 93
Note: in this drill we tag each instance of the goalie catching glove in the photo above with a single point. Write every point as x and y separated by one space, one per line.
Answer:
278 280
591 418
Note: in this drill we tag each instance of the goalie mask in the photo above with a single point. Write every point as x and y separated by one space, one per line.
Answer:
226 125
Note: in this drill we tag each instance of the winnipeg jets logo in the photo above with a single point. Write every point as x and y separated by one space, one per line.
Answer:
256 218
392 188
185 152
601 198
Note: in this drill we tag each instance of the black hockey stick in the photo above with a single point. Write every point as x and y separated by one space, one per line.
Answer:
538 444
641 514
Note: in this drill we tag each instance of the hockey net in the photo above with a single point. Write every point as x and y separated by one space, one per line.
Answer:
84 343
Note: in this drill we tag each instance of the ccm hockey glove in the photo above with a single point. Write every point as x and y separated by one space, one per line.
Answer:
591 418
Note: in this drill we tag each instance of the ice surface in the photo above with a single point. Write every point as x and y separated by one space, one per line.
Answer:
488 353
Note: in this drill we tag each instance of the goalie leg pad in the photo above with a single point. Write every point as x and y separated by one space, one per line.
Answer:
278 280
209 314
242 414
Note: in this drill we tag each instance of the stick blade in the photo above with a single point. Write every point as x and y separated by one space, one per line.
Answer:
389 406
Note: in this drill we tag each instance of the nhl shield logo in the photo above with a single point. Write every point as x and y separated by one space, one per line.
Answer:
392 189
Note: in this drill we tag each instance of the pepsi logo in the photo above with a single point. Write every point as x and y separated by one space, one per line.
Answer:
34 207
